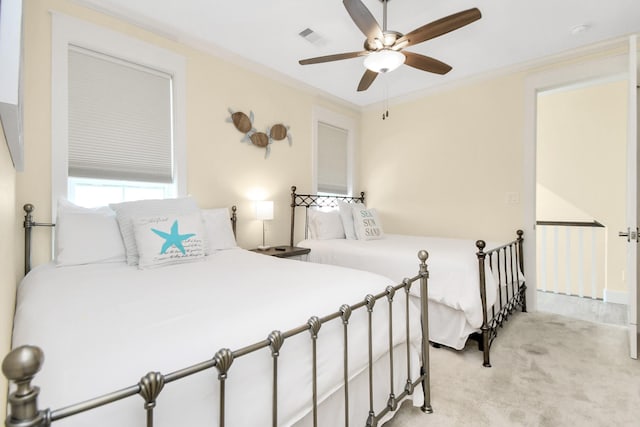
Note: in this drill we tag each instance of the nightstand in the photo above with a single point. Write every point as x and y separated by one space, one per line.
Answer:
286 252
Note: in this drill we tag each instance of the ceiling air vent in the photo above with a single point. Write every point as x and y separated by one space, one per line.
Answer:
311 36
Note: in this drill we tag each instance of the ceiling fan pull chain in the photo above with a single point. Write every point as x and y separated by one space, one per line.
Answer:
385 105
385 94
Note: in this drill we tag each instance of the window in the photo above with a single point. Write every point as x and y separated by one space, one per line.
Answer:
119 130
90 193
118 118
333 138
332 159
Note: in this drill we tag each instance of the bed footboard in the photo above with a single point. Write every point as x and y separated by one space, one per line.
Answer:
21 365
506 263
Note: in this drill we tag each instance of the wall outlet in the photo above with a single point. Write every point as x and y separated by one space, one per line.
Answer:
513 198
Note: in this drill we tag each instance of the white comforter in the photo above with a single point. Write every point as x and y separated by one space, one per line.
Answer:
453 266
104 326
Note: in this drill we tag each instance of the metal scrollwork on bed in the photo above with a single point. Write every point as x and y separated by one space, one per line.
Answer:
316 201
22 364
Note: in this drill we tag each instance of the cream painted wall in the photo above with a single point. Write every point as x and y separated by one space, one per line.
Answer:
552 207
582 156
443 165
7 257
222 171
448 163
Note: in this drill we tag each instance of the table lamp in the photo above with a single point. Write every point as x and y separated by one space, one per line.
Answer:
264 212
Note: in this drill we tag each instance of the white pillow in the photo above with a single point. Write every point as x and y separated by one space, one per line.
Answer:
311 233
169 239
345 209
126 211
326 225
218 231
367 223
86 236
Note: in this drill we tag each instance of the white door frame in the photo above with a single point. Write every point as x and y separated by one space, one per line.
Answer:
632 198
595 69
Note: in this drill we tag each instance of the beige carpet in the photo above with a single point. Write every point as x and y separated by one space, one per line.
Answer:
548 370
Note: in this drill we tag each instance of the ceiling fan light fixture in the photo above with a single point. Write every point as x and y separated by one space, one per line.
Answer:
384 60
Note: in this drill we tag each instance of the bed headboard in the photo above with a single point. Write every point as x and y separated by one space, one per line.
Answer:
29 223
317 201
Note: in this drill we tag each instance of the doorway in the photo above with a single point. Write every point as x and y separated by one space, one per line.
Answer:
581 134
600 66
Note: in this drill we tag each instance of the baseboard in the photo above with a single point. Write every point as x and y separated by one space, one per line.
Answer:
616 297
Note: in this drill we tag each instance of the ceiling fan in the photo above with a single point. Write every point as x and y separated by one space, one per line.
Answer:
384 49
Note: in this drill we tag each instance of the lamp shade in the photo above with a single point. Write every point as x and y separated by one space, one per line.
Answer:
264 210
384 60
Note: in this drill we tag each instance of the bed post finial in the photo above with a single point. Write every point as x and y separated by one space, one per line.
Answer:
234 220
425 370
293 213
520 259
28 223
19 367
484 329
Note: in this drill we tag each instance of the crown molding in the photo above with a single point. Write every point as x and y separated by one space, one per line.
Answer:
158 29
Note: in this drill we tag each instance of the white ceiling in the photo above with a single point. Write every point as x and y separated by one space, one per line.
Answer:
510 32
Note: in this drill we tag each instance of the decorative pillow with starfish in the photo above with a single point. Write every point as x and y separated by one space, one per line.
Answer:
169 239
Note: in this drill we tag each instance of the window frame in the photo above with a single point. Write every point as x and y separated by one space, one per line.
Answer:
67 32
340 121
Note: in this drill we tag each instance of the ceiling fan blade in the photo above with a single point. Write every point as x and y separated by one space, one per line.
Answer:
426 63
363 19
440 27
366 80
335 57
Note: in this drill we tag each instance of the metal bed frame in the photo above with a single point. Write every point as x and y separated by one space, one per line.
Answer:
22 364
508 261
29 223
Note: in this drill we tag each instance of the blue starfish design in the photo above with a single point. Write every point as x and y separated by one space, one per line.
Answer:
173 239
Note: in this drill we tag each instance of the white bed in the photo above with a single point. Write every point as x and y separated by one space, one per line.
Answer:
455 308
473 286
160 286
103 326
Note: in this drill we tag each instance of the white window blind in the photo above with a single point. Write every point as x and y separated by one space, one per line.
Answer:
120 119
332 159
